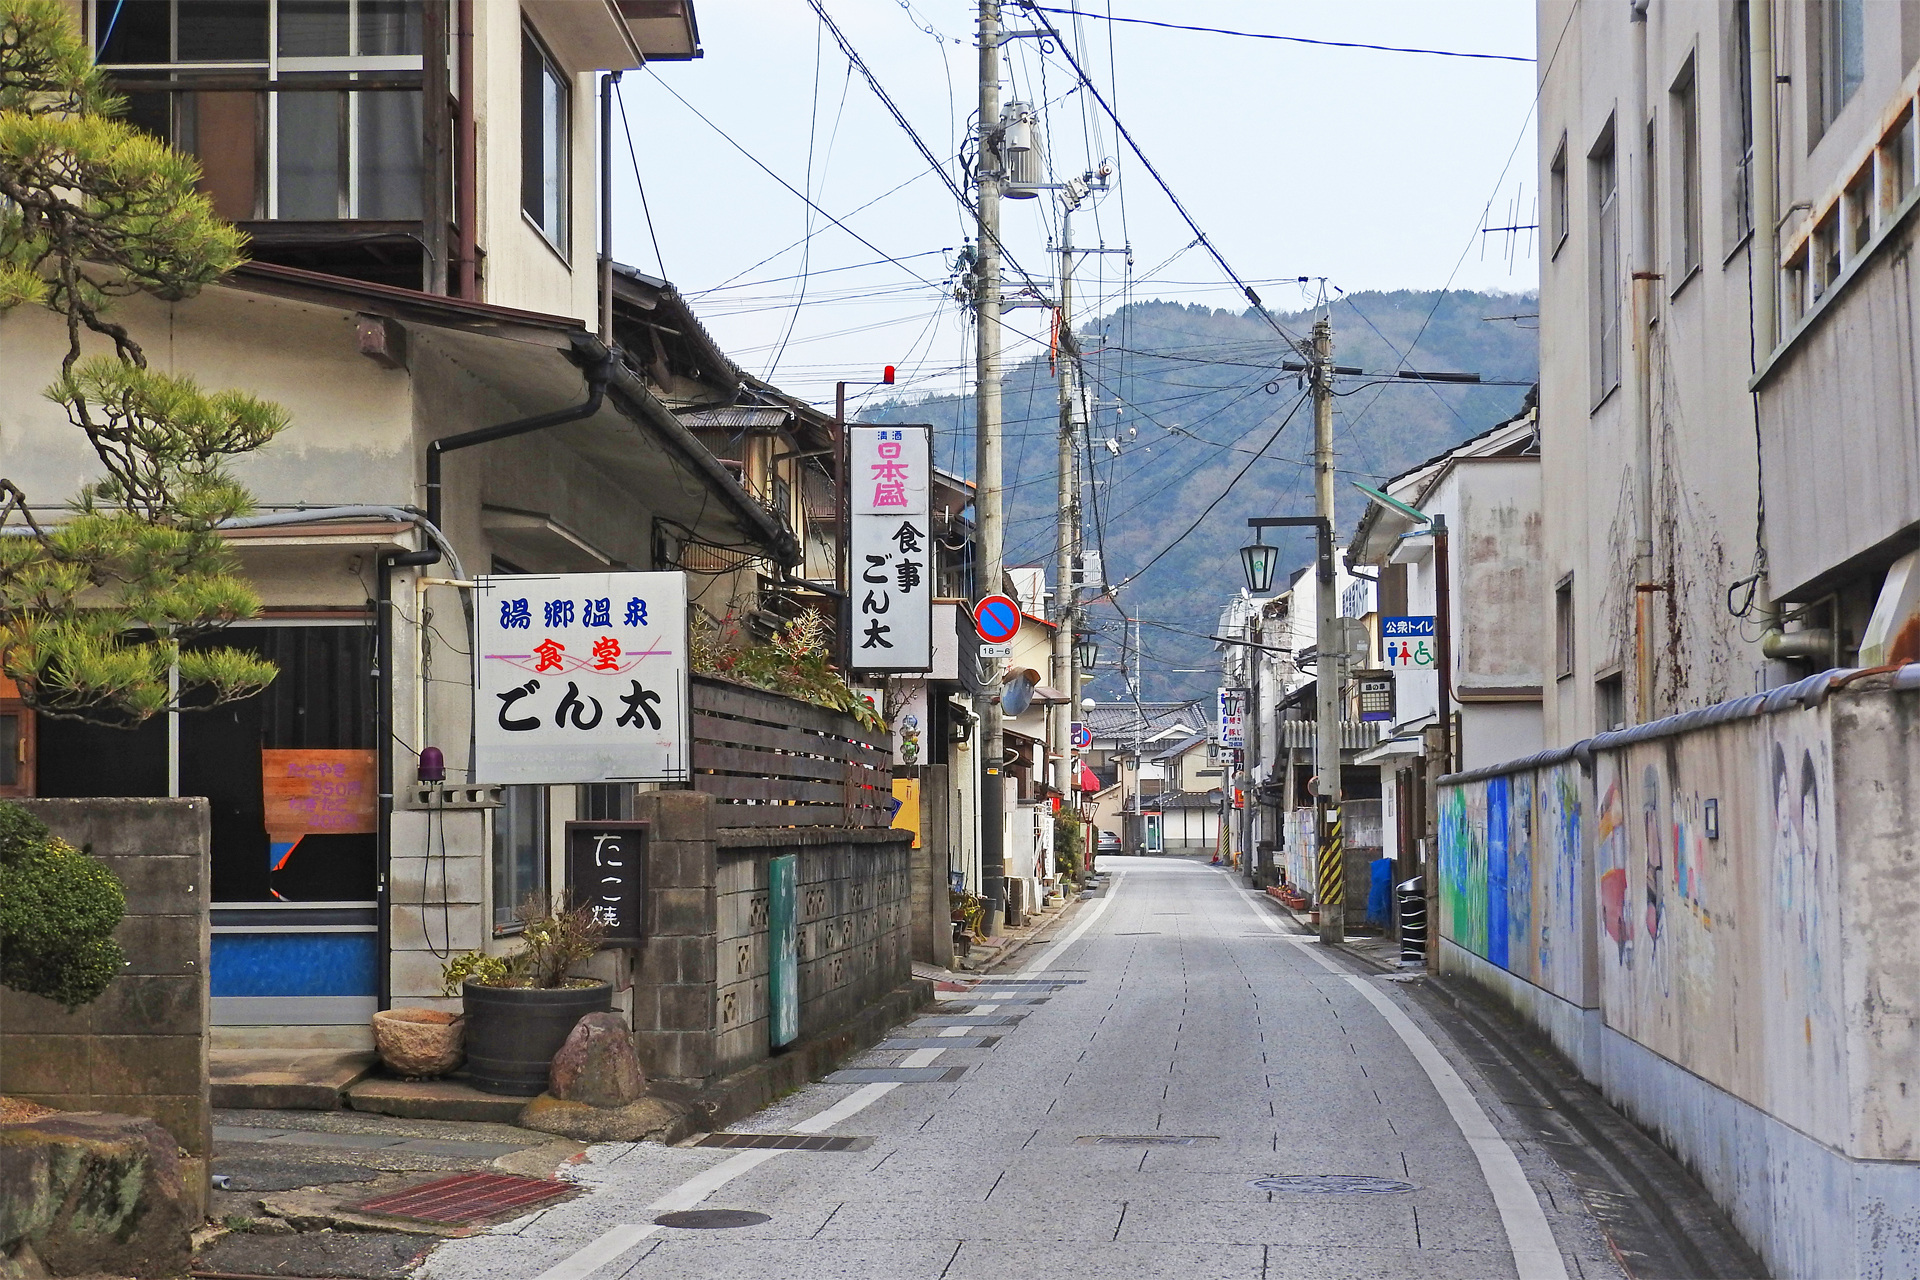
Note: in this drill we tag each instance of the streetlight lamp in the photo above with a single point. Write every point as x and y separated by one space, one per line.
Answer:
1085 650
1257 562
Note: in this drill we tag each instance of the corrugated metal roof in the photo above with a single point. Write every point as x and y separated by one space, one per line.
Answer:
735 419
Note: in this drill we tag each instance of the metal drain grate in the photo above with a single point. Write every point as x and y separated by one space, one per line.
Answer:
784 1142
466 1198
711 1219
1144 1139
897 1075
1332 1184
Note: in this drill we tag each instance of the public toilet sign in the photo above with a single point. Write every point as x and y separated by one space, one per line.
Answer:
891 548
1408 643
580 677
997 619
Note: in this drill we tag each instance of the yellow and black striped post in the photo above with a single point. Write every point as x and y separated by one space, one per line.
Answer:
1332 890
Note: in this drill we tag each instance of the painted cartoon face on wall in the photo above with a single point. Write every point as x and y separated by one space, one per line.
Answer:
1611 834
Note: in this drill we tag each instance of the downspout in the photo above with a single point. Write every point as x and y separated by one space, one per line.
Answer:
599 373
384 738
465 201
607 84
1643 277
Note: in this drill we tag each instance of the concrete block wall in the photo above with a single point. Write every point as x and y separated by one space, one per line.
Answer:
141 1048
855 923
674 1008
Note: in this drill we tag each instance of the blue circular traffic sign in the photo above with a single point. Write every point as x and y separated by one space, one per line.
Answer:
997 619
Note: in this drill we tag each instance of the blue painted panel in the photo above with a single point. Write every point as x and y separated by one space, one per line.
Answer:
1497 871
296 964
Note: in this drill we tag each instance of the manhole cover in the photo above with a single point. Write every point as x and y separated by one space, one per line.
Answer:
1331 1184
711 1219
466 1198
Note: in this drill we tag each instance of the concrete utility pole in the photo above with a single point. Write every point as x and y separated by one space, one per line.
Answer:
1332 893
1066 545
989 527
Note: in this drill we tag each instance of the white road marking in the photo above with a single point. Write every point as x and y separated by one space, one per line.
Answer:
1535 1255
616 1241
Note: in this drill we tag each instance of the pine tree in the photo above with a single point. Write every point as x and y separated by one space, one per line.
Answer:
96 609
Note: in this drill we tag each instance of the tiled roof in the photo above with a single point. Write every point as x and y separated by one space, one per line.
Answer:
1121 719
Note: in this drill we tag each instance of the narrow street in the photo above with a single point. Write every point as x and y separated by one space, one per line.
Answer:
1177 1044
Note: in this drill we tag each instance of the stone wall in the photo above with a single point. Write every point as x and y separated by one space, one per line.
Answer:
141 1048
700 1003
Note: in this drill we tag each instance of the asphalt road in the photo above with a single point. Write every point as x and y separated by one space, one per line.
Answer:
1186 1047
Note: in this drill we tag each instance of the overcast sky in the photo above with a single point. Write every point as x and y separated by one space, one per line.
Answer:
1371 169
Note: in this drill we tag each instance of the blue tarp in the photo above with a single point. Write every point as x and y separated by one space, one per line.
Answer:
1380 892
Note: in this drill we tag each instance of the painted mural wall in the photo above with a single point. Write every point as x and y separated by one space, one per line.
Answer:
1704 869
1513 871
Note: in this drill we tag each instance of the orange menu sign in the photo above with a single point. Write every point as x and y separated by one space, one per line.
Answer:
318 792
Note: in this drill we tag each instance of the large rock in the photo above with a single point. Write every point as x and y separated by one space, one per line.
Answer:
419 1043
598 1064
647 1120
91 1192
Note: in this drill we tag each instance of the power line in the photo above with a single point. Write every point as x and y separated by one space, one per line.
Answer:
634 156
1263 35
755 160
1245 288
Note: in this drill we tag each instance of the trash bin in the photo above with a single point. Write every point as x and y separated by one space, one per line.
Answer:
1413 922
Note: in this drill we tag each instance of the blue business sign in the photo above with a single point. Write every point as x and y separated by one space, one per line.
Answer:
1404 628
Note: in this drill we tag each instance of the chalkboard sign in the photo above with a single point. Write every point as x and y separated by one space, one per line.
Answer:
607 872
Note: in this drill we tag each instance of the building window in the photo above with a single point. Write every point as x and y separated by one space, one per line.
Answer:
543 140
1558 222
605 802
1563 627
519 854
1686 174
16 745
1841 41
1609 704
295 154
1737 126
1604 296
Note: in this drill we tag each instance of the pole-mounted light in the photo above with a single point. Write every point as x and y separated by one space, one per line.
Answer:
1085 650
1257 561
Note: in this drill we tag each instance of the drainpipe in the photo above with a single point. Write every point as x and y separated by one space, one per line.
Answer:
384 739
607 84
465 201
599 372
1644 278
1763 199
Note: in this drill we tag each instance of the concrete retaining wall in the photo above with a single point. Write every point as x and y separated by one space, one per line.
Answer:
1712 918
141 1048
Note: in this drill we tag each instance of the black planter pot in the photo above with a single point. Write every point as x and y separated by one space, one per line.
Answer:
513 1032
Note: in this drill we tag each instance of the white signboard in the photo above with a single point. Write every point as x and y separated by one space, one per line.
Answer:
581 677
1232 725
891 550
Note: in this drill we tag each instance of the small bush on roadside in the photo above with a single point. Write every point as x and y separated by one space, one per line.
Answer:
58 910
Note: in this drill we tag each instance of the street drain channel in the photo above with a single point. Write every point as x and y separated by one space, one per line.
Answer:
784 1142
1144 1139
711 1219
1332 1184
466 1198
897 1075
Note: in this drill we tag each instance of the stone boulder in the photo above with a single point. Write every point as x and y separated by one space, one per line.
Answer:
598 1064
647 1120
88 1192
419 1042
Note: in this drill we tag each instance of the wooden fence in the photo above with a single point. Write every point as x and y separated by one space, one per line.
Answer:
773 761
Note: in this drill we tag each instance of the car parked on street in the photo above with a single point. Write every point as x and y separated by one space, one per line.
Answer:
1108 842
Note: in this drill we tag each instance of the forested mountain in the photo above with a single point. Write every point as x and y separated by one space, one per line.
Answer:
1195 397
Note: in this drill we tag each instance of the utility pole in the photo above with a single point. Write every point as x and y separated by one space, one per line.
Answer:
989 529
1332 893
1067 531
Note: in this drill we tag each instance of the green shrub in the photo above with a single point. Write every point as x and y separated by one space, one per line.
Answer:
58 910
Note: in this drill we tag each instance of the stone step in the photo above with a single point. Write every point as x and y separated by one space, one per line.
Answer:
284 1080
432 1100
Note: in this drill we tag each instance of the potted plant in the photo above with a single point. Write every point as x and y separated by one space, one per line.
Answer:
520 1008
418 1044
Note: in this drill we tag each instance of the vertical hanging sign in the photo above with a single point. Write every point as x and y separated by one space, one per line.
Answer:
1233 716
890 548
580 677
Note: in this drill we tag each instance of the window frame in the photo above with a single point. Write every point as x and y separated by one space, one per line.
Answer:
1560 222
1563 628
1831 38
1605 304
534 49
1737 130
1688 224
503 862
